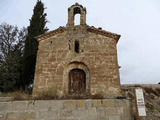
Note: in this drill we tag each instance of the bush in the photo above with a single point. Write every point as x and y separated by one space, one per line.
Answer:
150 90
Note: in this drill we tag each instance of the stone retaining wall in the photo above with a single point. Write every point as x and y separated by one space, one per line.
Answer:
106 109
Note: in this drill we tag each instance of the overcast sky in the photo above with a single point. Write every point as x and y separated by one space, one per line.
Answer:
137 21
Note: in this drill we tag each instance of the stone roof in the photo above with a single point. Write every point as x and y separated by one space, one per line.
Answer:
89 29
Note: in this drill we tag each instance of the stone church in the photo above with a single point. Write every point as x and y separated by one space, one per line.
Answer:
77 60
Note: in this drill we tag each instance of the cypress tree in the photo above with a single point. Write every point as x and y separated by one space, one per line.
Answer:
37 27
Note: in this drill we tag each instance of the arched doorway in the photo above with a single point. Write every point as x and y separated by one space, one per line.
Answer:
77 81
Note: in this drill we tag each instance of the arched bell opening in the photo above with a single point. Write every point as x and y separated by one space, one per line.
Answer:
77 19
76 11
77 15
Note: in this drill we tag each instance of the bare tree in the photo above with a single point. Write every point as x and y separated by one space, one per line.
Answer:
11 52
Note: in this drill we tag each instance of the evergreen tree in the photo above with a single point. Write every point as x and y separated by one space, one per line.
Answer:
37 27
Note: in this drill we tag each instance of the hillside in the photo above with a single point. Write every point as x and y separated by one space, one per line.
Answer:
151 96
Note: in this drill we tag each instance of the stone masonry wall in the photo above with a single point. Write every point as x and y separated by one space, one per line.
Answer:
97 57
106 109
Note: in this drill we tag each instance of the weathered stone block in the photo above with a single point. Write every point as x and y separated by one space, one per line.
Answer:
48 114
5 106
114 118
27 116
2 116
19 105
96 103
109 103
12 116
80 104
69 104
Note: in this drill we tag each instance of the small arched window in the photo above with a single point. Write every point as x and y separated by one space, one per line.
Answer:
69 44
76 46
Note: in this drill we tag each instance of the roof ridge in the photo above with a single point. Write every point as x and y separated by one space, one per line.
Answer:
50 33
103 32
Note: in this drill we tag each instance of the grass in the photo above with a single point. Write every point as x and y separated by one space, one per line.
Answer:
150 106
52 94
17 95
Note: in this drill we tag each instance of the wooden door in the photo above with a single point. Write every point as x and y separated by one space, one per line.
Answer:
77 81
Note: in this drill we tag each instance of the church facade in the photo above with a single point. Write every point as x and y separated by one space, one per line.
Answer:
77 60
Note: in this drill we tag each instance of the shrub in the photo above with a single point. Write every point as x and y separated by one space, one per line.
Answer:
150 90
